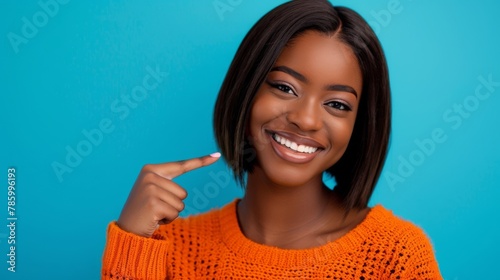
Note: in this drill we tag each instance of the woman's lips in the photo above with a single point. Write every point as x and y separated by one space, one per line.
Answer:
290 155
297 139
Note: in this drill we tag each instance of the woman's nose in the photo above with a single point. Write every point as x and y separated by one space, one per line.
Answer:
305 114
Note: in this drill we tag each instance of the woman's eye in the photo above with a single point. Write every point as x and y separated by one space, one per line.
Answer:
284 88
338 105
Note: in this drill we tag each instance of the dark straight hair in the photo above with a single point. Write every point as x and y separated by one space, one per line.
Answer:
358 170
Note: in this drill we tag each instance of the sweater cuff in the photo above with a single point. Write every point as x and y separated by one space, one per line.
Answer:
130 256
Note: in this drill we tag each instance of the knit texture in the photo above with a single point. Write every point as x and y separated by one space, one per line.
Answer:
212 246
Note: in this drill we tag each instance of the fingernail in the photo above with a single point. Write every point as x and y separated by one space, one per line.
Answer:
215 155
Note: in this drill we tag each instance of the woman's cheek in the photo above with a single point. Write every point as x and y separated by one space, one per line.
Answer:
341 130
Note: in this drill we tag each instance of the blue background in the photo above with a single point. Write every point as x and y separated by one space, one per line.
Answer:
84 56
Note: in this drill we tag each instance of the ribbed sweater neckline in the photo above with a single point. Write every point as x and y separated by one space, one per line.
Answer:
252 251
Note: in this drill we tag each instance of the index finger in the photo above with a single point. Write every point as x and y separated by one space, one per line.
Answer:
171 170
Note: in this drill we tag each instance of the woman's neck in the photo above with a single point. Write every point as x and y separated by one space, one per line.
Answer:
288 217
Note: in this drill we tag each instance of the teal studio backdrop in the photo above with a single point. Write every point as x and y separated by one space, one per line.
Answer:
93 90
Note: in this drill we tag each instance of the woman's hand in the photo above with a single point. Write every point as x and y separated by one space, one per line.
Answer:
155 199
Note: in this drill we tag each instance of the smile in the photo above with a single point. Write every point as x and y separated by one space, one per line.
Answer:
299 150
294 146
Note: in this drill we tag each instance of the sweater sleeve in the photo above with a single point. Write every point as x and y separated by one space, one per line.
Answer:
415 257
129 256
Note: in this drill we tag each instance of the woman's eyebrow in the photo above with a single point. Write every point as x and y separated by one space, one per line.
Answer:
303 79
291 72
342 88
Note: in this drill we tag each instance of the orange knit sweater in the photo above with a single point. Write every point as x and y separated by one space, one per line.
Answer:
212 246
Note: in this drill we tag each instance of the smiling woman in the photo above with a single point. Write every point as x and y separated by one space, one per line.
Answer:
306 94
309 101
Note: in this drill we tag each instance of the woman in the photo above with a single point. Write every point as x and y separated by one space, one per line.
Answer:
307 93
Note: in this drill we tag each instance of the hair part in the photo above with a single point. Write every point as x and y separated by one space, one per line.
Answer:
358 170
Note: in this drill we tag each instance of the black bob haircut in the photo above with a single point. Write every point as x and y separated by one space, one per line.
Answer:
358 170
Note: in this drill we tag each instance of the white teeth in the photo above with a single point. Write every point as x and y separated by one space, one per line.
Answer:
294 146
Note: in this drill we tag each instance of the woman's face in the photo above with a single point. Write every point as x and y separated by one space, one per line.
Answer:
303 114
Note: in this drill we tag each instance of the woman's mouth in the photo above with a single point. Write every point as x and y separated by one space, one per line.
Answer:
294 146
293 151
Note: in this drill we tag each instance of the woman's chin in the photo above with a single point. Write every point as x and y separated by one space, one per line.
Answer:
287 177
